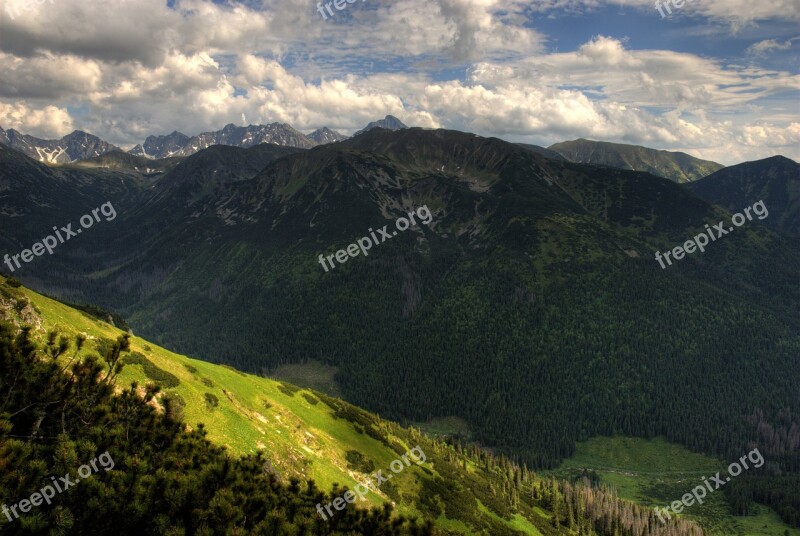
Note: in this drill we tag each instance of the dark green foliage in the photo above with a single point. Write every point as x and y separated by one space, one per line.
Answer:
391 490
311 400
174 406
115 319
288 389
211 400
21 305
104 345
190 368
397 447
518 311
165 379
779 492
13 282
363 421
207 382
358 462
775 179
164 480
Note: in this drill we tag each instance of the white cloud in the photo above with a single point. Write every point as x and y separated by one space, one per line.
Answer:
46 122
766 46
149 69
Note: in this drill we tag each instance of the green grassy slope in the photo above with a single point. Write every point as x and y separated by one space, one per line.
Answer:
656 472
253 413
296 429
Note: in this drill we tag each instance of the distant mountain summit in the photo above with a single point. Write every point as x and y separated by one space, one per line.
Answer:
177 144
244 137
161 146
325 135
75 146
676 166
775 181
389 122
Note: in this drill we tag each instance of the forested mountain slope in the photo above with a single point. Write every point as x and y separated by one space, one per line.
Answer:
531 305
774 180
282 447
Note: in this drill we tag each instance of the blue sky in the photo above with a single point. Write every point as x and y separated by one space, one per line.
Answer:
716 78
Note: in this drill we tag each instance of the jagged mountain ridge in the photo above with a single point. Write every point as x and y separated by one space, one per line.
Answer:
325 135
275 133
78 145
82 146
161 146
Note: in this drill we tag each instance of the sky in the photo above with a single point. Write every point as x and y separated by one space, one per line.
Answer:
718 79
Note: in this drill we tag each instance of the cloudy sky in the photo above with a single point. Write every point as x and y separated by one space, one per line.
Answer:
719 79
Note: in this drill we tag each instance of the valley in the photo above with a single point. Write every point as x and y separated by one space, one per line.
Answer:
519 276
421 268
655 472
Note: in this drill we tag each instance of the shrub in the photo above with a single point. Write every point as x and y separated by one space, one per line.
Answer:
190 368
288 389
311 400
13 282
332 403
211 400
397 447
173 406
358 462
160 376
104 345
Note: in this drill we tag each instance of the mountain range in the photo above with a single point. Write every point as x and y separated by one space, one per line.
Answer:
76 146
82 146
531 307
676 166
776 181
679 167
